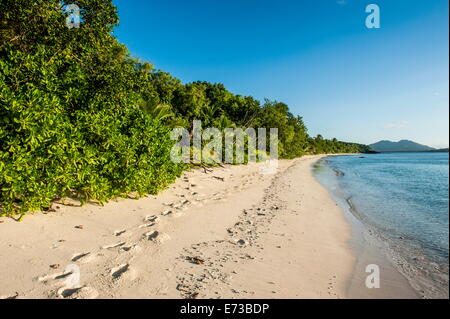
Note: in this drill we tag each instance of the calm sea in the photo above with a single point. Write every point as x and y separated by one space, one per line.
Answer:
404 198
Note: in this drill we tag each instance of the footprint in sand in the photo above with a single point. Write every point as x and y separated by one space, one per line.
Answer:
78 293
151 218
114 245
80 257
177 206
152 235
123 271
166 212
118 271
146 225
70 277
157 236
184 204
130 248
118 233
55 276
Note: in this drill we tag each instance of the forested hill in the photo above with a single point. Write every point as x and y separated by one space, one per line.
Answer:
400 146
80 117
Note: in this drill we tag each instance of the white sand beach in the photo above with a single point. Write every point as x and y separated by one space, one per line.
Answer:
229 233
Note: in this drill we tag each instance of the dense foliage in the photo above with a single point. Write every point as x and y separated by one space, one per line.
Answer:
79 117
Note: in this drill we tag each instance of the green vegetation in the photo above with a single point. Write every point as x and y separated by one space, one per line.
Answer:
400 146
79 117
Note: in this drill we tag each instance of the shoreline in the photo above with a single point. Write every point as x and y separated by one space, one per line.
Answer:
369 250
242 235
372 245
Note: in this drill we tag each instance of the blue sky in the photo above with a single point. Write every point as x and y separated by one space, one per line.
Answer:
347 81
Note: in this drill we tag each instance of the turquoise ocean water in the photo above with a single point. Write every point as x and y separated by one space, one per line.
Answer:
404 198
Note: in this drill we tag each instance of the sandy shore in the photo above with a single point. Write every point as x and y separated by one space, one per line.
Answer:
229 233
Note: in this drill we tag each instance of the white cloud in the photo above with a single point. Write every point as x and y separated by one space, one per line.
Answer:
398 125
341 2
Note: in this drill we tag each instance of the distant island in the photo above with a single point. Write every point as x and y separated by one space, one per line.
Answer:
403 146
440 150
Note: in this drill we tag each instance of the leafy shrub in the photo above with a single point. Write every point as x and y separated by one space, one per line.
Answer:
70 120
